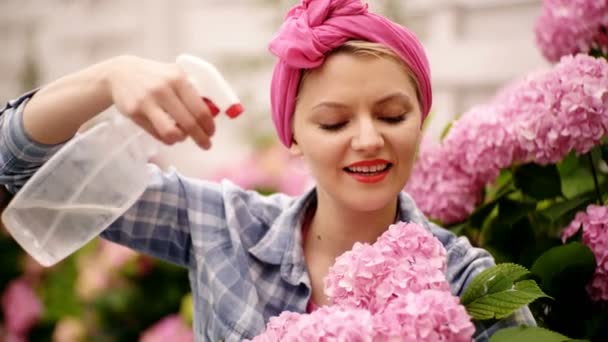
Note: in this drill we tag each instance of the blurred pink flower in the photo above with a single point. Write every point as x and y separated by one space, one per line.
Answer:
21 307
171 328
594 222
429 315
98 269
272 169
69 329
12 337
566 27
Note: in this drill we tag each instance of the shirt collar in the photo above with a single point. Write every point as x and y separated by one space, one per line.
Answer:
282 243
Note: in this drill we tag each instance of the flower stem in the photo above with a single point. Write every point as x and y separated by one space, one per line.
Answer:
595 182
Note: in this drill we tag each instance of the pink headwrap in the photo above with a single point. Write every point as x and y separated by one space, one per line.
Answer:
316 27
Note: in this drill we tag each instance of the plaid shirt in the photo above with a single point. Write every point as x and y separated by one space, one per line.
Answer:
243 250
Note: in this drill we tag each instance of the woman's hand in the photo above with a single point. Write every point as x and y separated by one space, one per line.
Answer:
160 99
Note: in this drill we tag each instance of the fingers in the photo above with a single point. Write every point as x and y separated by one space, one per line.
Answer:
164 126
196 106
186 120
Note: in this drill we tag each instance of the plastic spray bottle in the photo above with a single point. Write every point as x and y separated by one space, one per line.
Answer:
97 176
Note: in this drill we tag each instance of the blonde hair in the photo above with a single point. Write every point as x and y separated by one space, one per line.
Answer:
368 49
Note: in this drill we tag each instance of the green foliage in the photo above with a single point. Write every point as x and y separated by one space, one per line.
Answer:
529 334
539 182
520 221
564 268
500 290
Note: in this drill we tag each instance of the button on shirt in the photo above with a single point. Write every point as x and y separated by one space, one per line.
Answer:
243 250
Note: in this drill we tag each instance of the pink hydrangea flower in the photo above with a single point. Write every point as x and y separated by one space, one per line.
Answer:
327 324
278 326
406 258
562 110
429 315
594 222
392 290
21 307
171 328
440 188
540 118
414 243
567 27
481 142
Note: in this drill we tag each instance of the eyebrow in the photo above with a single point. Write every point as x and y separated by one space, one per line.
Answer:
390 97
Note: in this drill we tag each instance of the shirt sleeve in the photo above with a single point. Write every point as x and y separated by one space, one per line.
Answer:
464 263
20 156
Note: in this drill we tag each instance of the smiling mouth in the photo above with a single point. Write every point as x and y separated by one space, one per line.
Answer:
369 170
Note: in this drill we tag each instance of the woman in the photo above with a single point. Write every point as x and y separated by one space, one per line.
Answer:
349 94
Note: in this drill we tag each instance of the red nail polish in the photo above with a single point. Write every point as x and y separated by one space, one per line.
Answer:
212 107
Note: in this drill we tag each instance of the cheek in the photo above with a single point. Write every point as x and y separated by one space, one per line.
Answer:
407 145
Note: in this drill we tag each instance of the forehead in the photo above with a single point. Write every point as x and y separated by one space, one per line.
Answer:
344 76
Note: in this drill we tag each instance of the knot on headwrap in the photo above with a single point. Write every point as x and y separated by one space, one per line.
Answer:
306 34
315 27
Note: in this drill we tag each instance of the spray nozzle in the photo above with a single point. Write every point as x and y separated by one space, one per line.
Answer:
210 85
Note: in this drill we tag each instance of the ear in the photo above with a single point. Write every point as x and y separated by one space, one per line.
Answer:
294 149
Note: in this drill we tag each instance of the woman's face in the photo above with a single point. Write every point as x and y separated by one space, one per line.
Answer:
357 124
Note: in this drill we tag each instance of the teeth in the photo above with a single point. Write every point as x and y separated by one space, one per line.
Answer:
368 169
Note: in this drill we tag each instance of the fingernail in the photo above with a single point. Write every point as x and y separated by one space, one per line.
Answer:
212 107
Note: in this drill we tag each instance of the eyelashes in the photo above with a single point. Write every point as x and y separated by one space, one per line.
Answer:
391 120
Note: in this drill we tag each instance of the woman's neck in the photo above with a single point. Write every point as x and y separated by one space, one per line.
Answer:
333 229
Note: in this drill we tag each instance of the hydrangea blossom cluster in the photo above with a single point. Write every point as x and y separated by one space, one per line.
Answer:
442 190
330 323
407 318
540 118
392 290
21 308
594 222
566 27
405 258
563 110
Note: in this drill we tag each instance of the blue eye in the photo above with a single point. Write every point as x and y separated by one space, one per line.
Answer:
393 119
333 127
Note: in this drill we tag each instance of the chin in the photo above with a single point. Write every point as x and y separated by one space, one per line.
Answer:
370 200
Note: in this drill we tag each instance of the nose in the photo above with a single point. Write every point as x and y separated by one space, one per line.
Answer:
367 137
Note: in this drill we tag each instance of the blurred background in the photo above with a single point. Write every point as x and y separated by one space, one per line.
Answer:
474 47
103 292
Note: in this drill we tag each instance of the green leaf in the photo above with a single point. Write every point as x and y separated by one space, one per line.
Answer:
58 293
569 164
493 279
480 214
446 130
510 211
604 150
528 334
539 182
564 268
503 303
186 309
559 209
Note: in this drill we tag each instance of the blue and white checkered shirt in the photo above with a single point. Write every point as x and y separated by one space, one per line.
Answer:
243 250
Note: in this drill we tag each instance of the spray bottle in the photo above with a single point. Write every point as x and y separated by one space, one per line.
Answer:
97 176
